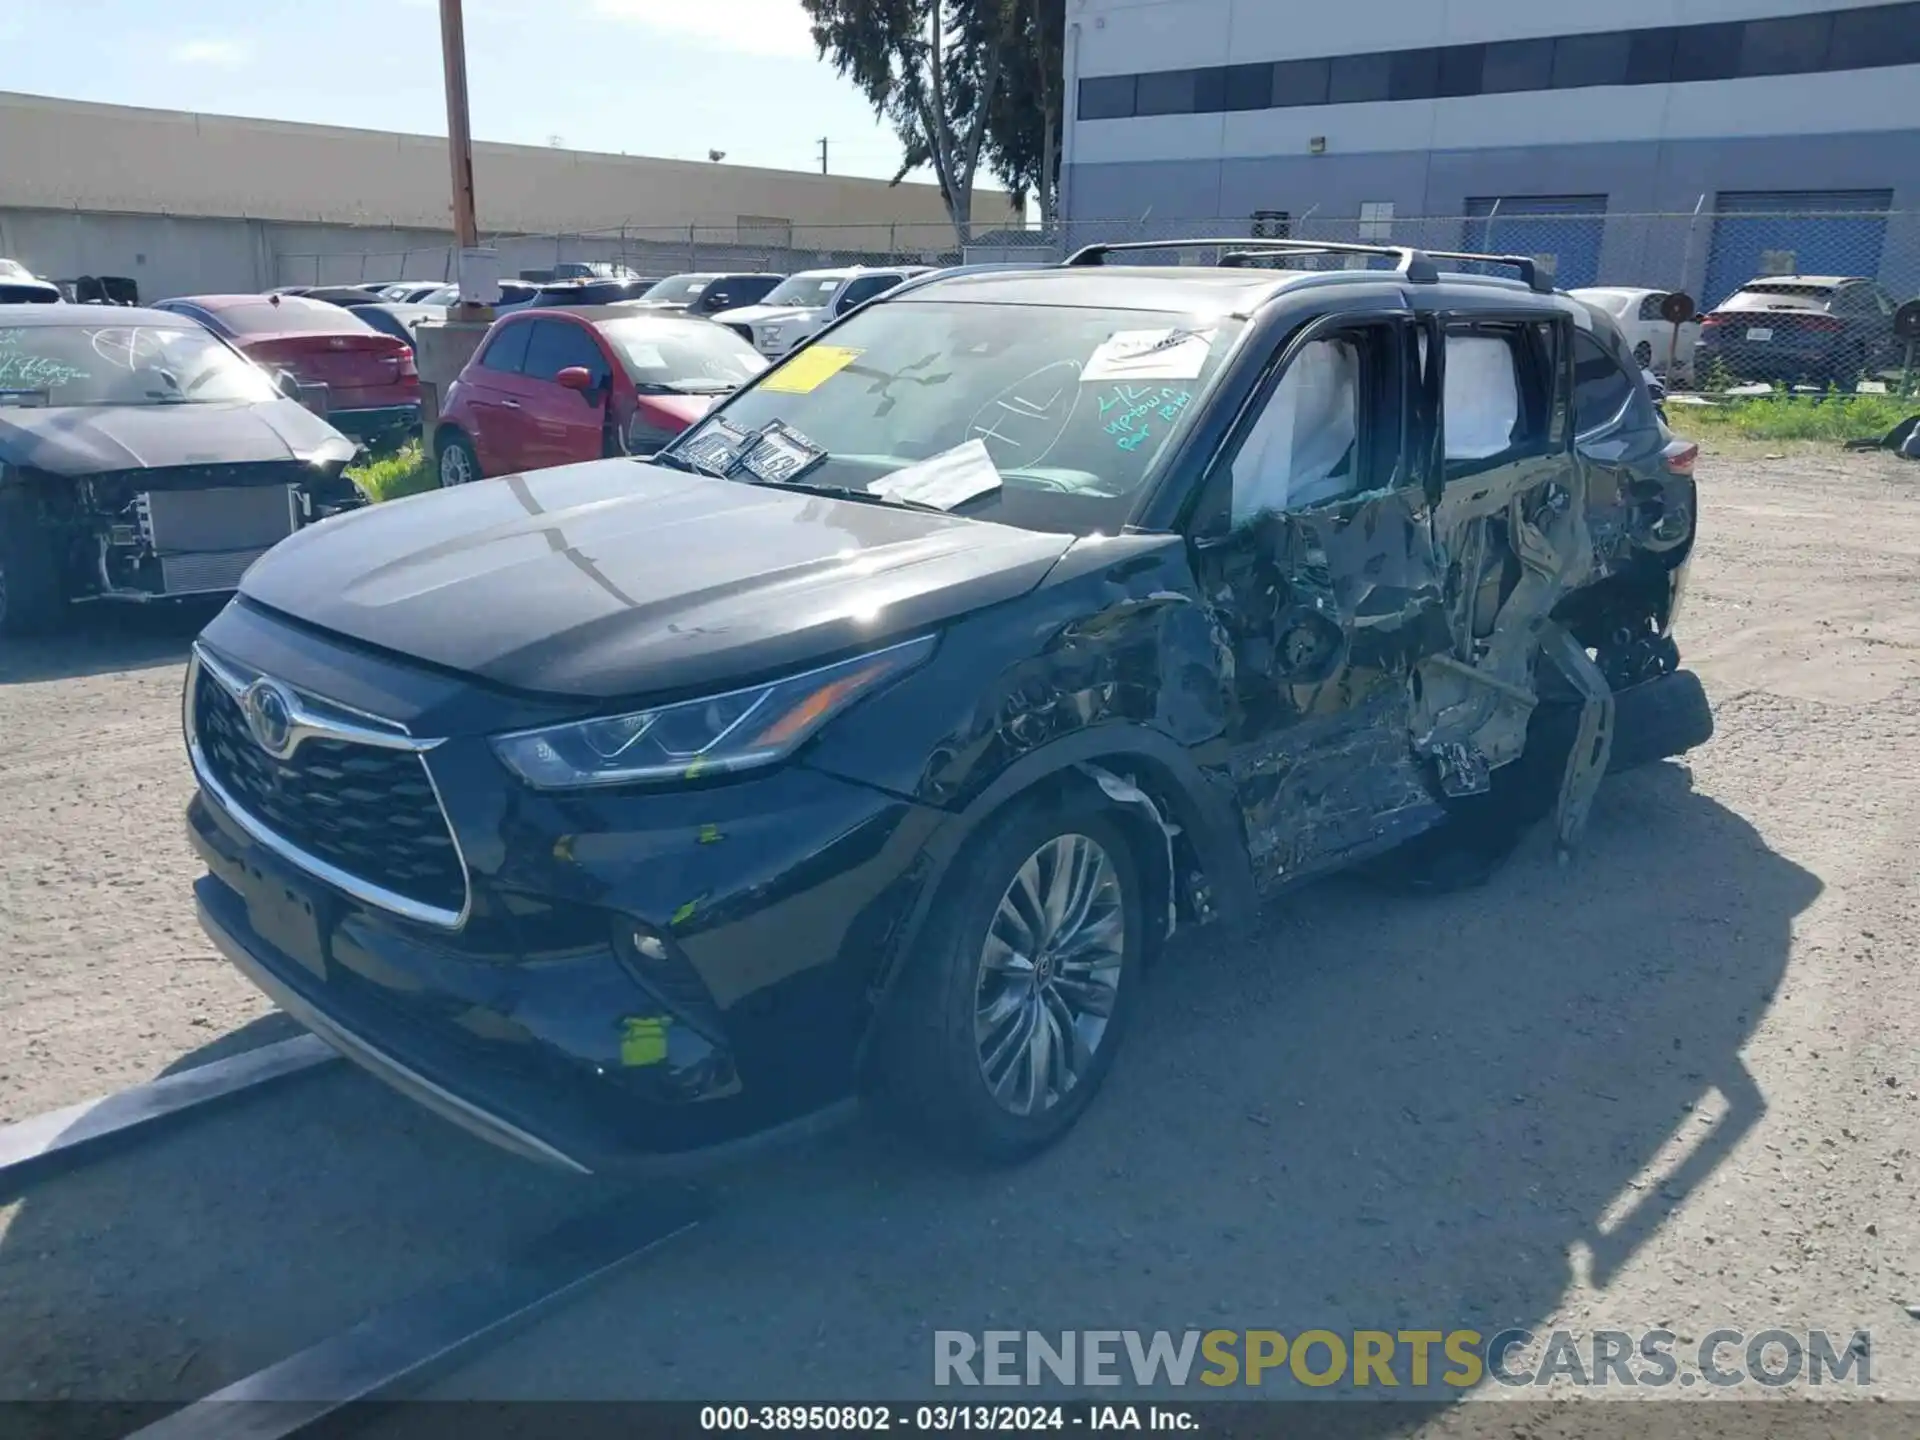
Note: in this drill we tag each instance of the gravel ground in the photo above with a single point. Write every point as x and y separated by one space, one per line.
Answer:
1673 1084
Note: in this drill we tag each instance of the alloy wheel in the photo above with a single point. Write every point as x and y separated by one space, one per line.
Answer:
454 469
1049 973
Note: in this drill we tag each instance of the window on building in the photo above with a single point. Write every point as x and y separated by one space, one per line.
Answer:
1878 35
1247 87
1301 82
1376 220
1460 67
1706 52
1414 75
1106 97
1169 92
1650 57
1357 78
1791 45
1857 38
1512 65
1583 60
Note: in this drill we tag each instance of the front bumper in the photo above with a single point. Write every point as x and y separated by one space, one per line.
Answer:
374 422
537 1022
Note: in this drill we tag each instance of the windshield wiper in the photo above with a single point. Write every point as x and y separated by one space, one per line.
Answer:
680 462
847 492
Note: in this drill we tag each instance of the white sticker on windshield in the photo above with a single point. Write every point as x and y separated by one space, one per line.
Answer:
1150 355
945 480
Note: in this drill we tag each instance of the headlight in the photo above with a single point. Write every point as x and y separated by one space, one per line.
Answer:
723 733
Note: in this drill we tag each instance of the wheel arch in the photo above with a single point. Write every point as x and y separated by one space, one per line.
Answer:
1211 876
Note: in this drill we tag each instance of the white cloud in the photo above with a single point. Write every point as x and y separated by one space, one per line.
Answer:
226 54
765 27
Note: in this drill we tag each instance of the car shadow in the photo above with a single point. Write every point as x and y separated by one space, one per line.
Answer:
101 638
1367 1113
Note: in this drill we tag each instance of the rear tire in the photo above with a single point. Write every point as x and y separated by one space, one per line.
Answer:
456 464
32 596
990 1053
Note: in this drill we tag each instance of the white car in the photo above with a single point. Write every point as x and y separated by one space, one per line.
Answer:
1637 313
803 305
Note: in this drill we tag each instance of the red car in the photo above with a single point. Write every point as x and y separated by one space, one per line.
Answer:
556 387
370 385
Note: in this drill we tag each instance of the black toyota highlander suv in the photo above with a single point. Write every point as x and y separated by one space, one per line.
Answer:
874 737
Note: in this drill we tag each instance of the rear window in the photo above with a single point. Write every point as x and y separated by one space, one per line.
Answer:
1779 297
291 315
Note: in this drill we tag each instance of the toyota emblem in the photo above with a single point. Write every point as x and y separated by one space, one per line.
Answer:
269 712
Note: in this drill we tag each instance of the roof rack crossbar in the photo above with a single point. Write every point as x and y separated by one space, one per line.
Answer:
1528 267
1411 263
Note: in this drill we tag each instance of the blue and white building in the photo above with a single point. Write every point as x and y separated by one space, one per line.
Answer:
1767 136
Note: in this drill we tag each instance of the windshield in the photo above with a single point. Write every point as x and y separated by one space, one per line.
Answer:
691 356
126 365
1072 406
680 290
807 290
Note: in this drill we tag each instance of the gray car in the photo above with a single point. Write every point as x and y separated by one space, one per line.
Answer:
143 458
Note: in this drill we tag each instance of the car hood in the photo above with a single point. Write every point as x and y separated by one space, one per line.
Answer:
618 578
91 439
763 314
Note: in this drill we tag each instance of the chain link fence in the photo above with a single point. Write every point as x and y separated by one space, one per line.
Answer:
1708 254
1705 253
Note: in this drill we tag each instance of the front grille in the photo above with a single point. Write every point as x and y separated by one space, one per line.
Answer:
363 809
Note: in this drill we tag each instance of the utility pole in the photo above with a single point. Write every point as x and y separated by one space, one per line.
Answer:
823 154
466 229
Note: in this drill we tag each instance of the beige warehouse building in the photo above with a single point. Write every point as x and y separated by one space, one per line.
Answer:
189 203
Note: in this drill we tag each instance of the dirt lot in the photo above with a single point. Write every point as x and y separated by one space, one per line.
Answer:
1673 1084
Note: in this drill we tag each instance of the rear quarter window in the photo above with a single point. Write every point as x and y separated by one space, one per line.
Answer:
1602 390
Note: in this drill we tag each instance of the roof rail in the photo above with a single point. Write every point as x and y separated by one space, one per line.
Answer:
1412 264
1528 267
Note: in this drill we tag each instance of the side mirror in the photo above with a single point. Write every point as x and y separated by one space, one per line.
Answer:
711 303
287 384
575 377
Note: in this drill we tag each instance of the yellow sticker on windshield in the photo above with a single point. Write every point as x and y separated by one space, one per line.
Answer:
810 369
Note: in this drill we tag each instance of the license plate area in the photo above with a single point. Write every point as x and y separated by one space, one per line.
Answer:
291 920
1759 332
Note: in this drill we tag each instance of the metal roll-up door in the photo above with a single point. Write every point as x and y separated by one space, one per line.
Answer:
1794 232
1564 231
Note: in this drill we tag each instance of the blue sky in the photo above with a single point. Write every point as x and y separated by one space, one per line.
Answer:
649 77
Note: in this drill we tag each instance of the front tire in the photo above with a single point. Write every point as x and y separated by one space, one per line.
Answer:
1003 1029
32 597
457 464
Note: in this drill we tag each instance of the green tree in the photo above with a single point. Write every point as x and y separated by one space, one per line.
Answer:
1024 120
933 70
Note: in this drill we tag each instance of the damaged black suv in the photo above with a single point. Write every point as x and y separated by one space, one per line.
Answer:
874 736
